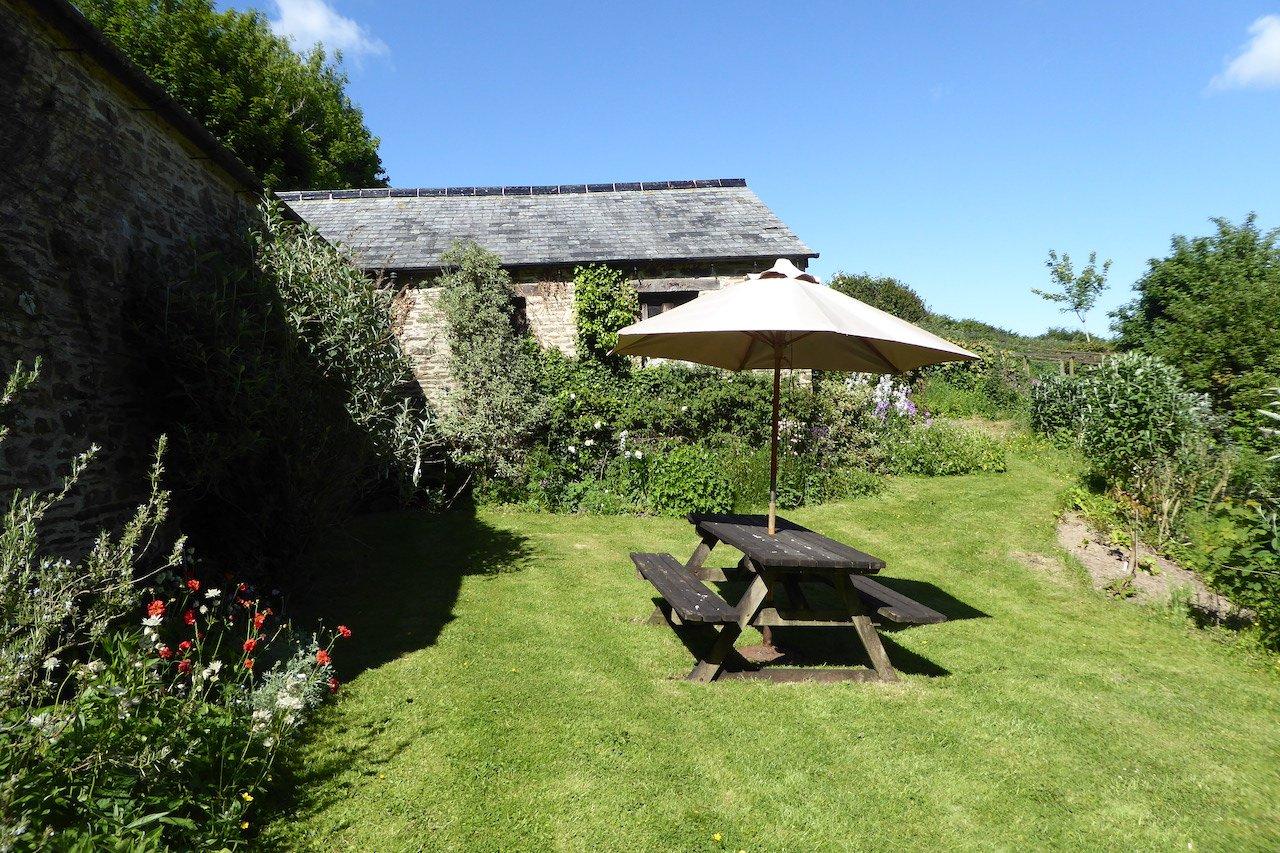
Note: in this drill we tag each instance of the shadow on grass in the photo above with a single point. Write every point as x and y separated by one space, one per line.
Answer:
394 579
835 646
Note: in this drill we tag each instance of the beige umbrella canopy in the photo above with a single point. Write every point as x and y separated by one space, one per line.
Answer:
785 317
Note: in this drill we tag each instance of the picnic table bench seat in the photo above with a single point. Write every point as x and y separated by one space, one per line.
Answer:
689 597
893 605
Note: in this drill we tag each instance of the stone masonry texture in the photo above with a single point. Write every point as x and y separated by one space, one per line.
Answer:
100 198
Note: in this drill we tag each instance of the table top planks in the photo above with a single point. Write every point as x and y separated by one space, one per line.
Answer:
794 546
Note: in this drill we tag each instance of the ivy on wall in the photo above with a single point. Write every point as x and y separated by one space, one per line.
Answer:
603 302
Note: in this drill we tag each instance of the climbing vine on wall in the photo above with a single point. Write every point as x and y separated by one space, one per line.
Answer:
604 302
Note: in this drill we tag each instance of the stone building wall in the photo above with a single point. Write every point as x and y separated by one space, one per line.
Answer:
547 296
100 197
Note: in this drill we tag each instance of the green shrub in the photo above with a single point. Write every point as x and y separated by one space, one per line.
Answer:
1126 415
689 478
493 407
1210 309
1235 547
283 392
604 301
135 708
887 294
996 386
942 448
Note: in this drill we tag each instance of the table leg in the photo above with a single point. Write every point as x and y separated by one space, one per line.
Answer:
700 553
712 664
867 631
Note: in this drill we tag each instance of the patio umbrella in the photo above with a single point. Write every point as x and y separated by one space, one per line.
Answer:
784 316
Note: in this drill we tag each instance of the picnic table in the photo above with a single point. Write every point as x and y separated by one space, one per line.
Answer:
775 567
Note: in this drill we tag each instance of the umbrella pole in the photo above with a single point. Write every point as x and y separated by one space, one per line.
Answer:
773 445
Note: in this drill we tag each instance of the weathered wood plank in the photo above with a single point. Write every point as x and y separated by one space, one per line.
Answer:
795 675
689 598
892 604
793 547
773 617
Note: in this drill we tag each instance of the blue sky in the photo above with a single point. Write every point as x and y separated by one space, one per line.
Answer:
946 146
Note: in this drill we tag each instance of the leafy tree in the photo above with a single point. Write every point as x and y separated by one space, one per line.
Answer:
604 301
286 116
1077 293
493 406
1210 308
887 294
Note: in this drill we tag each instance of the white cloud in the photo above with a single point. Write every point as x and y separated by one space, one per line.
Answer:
1257 65
306 22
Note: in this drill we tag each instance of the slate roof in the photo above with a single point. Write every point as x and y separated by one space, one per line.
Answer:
715 219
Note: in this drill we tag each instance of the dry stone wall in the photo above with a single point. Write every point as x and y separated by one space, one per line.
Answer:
100 198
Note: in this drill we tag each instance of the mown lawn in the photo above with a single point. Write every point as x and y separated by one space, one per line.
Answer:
507 695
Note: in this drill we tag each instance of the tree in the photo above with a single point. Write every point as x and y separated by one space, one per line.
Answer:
1210 309
887 294
1077 293
286 116
493 406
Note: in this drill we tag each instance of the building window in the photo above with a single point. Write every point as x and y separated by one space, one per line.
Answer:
653 304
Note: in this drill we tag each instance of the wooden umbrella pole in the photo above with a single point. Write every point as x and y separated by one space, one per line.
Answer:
773 447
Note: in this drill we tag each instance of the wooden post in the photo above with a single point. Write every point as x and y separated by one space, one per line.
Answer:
773 447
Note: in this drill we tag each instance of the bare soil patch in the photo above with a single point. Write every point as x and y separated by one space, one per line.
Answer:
1108 565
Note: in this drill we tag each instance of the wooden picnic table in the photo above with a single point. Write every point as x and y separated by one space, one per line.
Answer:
774 568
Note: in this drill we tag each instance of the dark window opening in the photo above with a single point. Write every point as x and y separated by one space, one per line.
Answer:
653 304
520 315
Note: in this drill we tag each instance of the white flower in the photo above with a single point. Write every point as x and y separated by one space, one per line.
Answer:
572 396
684 408
572 450
589 442
50 664
639 455
152 622
211 592
597 426
290 703
203 609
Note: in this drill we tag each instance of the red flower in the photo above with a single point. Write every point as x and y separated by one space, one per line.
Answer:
165 652
250 644
344 631
184 666
248 664
193 585
259 620
155 608
244 602
333 685
244 587
184 646
322 657
189 617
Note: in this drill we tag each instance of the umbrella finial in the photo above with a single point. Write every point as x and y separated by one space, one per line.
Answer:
784 268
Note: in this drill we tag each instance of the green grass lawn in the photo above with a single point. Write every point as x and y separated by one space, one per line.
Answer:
507 695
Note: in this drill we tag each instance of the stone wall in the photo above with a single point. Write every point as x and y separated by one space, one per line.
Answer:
547 295
100 197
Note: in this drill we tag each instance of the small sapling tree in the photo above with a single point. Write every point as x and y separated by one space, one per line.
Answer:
1077 294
